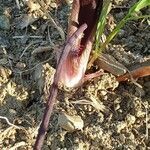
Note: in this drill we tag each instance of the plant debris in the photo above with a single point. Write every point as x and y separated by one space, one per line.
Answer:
115 115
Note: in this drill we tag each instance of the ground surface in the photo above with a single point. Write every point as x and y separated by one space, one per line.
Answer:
111 115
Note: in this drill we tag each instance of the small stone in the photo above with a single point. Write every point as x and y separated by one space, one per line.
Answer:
140 114
69 2
119 15
121 33
53 5
122 138
4 74
131 136
3 61
130 119
120 126
76 140
118 2
12 111
117 106
139 92
4 23
103 92
70 123
100 117
20 65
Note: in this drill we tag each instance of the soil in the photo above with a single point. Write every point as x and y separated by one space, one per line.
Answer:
100 114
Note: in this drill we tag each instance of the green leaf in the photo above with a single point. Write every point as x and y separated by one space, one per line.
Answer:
141 4
102 21
99 47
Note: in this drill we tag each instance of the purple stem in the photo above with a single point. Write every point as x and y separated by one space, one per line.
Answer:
54 88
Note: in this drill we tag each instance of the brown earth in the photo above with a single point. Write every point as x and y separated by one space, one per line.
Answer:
101 114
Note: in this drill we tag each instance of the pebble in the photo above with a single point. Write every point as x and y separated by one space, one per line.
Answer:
120 125
4 23
70 123
139 92
122 138
20 65
130 119
140 114
121 33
